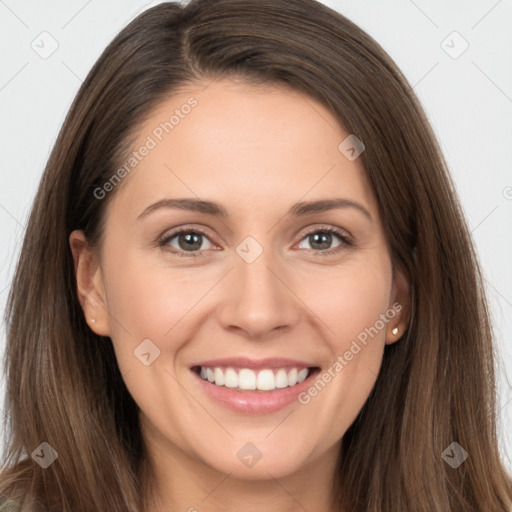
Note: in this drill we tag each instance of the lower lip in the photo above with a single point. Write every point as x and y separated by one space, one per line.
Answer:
255 402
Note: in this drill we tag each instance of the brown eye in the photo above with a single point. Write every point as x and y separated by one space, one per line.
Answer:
185 241
321 240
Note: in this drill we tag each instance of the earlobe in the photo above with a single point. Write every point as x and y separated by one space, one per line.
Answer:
89 284
401 304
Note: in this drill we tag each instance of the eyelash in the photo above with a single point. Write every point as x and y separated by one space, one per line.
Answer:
346 241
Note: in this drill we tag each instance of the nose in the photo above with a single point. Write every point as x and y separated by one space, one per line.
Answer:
258 298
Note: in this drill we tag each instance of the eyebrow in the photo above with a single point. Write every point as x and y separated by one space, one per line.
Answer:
298 209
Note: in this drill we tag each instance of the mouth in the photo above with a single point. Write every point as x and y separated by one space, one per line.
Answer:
248 379
250 386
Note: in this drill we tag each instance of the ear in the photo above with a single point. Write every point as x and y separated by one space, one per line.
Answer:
89 284
401 305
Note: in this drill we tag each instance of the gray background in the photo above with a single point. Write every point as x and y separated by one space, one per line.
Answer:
467 94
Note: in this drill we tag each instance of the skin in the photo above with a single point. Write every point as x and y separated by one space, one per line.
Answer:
256 151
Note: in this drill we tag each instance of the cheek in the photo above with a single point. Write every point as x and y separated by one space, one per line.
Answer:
148 298
149 302
144 303
353 300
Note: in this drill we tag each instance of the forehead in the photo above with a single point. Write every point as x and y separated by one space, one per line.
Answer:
252 145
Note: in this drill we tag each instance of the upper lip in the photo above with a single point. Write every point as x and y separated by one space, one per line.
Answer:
247 362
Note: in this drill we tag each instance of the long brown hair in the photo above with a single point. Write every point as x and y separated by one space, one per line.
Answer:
436 385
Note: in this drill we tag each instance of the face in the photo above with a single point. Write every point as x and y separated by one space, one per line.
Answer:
258 287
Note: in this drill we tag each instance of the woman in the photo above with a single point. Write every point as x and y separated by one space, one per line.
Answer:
149 371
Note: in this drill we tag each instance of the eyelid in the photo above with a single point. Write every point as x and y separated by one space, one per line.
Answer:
330 229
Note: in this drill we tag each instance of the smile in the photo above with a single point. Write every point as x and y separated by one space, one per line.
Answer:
266 379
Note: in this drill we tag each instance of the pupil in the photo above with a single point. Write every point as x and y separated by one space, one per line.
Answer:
191 240
326 243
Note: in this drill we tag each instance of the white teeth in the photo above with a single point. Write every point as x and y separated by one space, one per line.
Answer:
262 380
246 379
219 377
265 380
302 375
230 378
281 379
292 377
